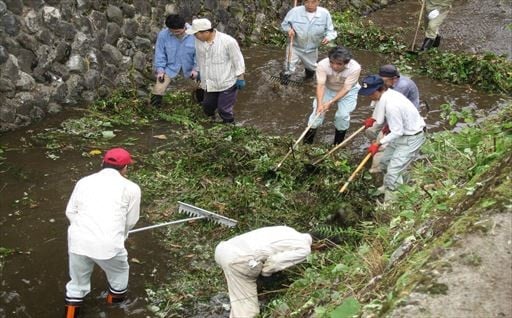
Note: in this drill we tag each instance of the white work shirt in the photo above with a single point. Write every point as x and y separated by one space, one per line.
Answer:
277 247
102 209
335 81
219 63
400 114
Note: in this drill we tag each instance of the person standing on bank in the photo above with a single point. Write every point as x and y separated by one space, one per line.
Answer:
406 132
375 125
337 83
437 11
310 26
262 251
221 65
102 209
174 53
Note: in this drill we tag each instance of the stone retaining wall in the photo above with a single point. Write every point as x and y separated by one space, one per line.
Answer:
63 53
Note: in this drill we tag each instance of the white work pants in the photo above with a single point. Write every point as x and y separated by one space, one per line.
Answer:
308 59
397 156
81 267
241 279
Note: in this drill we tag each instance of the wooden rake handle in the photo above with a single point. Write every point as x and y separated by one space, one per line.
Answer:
418 26
298 140
349 138
352 176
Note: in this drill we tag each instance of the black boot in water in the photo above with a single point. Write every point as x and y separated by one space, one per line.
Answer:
156 101
427 44
437 41
339 135
310 136
309 74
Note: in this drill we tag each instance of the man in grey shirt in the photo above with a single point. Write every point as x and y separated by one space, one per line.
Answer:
401 84
221 69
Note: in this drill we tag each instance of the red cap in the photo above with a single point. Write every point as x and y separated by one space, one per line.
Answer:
117 157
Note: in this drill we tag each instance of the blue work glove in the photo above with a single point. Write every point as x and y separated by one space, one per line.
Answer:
240 83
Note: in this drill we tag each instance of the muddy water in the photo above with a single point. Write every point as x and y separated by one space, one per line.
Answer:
34 189
475 26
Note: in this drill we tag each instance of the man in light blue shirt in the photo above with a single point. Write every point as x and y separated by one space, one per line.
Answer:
174 52
308 26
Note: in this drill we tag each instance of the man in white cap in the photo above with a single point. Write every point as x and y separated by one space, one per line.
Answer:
221 66
262 251
102 209
406 132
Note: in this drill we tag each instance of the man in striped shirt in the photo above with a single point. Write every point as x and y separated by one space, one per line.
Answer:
221 67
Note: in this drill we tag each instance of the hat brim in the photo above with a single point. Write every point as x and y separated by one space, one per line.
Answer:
367 91
191 31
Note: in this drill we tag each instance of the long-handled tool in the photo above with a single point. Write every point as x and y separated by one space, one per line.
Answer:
298 140
417 28
349 138
352 176
284 77
196 214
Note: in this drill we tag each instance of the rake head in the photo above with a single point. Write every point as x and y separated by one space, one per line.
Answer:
285 80
195 211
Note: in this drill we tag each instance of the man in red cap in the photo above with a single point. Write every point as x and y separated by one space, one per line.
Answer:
102 209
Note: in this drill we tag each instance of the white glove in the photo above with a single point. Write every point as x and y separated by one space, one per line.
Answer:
433 14
253 263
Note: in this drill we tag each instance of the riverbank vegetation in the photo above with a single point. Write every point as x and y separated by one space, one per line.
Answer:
227 169
370 254
487 71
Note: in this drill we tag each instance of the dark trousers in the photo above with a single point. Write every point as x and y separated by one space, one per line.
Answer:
223 102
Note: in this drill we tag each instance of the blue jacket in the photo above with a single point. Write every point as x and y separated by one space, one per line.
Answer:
309 34
173 54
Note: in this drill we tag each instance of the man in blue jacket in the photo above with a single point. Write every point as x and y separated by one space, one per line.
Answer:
174 52
309 26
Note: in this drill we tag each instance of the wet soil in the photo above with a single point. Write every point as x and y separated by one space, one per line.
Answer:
474 26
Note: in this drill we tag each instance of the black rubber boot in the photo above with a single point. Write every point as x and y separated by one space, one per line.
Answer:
437 41
156 101
427 44
284 78
339 135
310 136
309 74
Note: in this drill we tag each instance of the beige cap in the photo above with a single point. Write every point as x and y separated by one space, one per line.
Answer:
199 25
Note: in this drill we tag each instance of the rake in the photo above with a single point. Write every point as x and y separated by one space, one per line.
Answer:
273 171
353 175
312 166
196 214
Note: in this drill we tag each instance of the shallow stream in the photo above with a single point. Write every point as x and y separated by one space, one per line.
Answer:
34 189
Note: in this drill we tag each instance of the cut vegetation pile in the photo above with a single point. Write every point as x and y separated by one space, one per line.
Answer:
223 168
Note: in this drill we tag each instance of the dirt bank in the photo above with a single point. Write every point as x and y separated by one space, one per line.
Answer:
471 279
